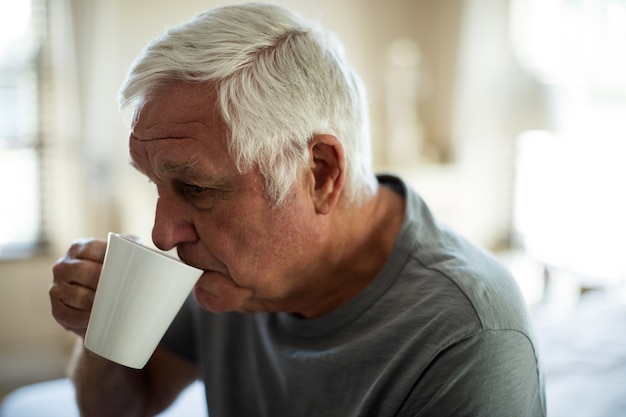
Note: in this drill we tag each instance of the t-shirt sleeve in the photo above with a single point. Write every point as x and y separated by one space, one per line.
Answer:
493 373
180 338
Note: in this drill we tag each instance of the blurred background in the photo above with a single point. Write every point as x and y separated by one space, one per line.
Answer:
508 116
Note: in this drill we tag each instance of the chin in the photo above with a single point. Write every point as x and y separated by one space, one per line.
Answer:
212 303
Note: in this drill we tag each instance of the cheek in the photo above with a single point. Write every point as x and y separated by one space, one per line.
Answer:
283 248
236 238
258 251
258 245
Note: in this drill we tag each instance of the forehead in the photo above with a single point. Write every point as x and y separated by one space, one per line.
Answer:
178 109
177 128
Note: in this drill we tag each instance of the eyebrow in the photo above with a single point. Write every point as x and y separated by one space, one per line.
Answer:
185 167
188 169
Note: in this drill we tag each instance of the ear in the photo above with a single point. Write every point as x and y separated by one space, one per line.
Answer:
327 170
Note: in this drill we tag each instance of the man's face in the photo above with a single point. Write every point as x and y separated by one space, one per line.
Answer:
256 257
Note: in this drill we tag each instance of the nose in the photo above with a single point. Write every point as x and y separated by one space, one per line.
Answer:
173 224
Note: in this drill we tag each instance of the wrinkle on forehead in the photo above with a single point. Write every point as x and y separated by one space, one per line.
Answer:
173 127
159 161
155 122
156 131
177 110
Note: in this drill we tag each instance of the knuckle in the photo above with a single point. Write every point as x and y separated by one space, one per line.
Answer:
53 292
75 248
63 271
59 267
82 248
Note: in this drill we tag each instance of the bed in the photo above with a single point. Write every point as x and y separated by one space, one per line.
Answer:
583 353
56 399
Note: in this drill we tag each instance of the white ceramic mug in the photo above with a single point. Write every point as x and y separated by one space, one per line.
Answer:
139 293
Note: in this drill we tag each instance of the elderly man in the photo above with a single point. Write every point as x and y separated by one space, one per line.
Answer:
326 290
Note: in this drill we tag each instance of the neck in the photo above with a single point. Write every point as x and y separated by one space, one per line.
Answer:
360 242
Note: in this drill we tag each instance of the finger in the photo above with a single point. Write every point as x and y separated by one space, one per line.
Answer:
74 296
76 271
70 318
88 249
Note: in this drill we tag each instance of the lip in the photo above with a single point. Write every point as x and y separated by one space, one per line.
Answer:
208 273
199 265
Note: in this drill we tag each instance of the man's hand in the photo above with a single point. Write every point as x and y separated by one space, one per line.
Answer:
74 284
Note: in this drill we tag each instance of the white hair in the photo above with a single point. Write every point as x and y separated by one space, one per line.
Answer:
280 80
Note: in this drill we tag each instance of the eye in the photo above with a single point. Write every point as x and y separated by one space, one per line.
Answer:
200 196
195 191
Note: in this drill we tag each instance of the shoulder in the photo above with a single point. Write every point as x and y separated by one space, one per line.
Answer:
471 277
494 372
463 278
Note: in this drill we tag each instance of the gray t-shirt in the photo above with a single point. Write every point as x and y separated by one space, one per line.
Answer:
441 331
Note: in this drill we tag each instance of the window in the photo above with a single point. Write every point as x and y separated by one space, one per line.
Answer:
571 195
21 34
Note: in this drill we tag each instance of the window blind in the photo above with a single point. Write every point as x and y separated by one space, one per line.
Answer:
22 35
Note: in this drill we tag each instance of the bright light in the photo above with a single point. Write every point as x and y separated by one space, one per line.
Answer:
571 41
571 180
20 209
14 19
